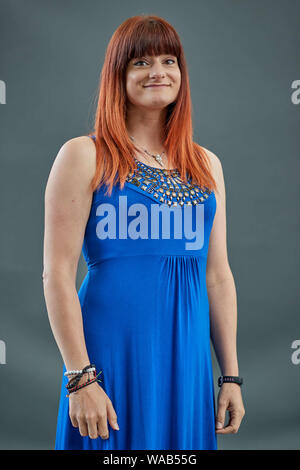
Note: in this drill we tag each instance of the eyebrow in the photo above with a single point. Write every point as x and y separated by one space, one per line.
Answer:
149 56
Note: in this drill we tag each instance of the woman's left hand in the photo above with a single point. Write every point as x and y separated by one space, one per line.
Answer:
229 398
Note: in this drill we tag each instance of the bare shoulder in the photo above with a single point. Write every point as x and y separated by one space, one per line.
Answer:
74 165
68 198
79 153
214 161
216 168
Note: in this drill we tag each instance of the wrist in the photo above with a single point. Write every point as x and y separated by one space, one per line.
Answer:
77 364
87 376
229 379
230 369
83 389
233 373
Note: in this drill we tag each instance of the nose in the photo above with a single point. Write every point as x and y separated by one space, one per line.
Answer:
156 72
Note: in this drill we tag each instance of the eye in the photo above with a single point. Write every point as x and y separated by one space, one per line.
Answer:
141 61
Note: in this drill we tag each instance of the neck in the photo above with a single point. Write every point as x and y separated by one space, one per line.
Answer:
147 128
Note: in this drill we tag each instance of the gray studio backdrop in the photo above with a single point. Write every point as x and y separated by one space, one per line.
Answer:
243 59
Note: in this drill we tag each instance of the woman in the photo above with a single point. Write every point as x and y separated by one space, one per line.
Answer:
152 298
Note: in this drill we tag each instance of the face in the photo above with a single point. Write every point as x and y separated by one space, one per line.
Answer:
153 82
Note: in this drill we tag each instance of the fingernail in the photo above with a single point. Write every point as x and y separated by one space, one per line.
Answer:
219 425
117 426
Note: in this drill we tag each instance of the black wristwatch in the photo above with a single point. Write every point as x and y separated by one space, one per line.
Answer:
229 378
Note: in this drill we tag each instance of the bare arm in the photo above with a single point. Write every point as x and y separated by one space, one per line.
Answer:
67 206
220 283
68 198
223 308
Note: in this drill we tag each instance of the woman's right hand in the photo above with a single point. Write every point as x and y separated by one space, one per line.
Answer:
89 409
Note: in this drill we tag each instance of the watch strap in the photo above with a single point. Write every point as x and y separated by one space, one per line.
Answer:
229 379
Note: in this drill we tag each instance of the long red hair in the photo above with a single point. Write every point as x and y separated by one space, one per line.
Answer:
136 37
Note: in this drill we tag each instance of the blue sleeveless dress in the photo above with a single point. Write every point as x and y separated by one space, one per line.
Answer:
145 314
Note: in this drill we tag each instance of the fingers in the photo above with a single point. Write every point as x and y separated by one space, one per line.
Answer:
234 423
83 429
109 415
102 427
220 418
92 426
74 421
230 429
90 414
112 415
236 417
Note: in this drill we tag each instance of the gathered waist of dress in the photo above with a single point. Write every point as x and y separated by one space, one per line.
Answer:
96 264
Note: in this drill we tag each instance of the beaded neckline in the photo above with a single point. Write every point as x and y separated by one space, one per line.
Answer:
166 185
168 170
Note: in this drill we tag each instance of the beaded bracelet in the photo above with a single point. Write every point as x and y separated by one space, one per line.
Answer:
74 381
75 372
78 376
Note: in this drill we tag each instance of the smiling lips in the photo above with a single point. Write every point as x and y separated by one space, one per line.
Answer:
161 84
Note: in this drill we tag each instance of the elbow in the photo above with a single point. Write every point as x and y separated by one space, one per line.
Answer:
216 277
57 275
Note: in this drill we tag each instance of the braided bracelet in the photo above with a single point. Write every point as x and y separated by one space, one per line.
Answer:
78 387
73 388
77 377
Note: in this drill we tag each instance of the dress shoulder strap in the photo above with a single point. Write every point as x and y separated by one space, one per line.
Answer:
92 136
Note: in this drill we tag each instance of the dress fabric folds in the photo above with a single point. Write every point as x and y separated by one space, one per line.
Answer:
145 314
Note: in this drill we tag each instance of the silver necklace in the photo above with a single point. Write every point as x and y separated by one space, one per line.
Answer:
156 157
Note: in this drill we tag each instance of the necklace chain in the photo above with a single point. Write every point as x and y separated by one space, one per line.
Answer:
157 157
